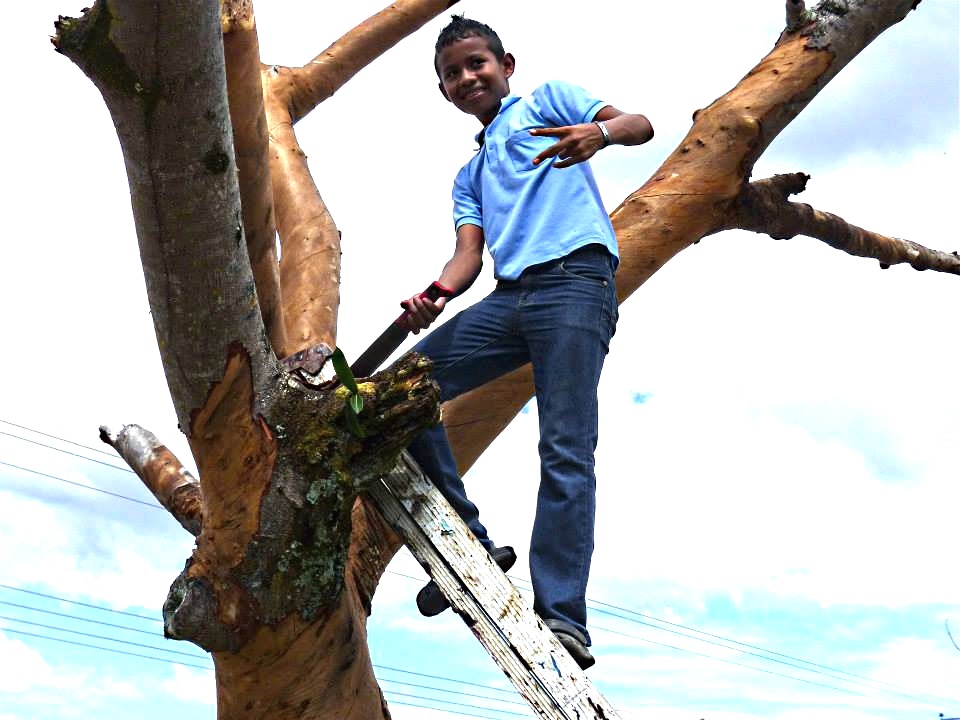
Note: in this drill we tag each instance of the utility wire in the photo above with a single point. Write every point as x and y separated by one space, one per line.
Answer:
67 452
77 602
102 637
461 693
428 707
202 667
833 674
375 665
763 670
63 440
870 683
152 633
456 704
155 634
104 649
81 485
742 644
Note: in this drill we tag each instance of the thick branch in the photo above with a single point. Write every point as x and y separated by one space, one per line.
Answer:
250 144
305 88
310 262
159 67
694 188
763 207
160 470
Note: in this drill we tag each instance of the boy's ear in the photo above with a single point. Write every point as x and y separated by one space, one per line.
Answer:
509 64
444 92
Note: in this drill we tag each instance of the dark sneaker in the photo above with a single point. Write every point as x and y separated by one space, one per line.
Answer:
430 600
573 642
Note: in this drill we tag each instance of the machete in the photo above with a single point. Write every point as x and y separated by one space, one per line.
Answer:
390 339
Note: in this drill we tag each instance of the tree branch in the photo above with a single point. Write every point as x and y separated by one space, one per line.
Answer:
306 87
310 262
241 51
763 207
159 67
160 470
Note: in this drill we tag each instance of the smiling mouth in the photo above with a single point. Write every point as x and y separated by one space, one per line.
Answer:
472 94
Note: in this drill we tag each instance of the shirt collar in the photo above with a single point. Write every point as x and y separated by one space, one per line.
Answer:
506 102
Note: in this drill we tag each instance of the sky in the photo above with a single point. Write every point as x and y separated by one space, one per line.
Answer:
777 474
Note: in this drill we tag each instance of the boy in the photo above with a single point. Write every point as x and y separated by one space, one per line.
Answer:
529 195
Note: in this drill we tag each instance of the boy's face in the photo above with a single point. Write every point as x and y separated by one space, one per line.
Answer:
473 79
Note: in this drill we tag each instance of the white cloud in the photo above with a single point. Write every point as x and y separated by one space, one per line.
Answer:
195 686
22 668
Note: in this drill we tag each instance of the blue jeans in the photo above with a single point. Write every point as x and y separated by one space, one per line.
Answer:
559 316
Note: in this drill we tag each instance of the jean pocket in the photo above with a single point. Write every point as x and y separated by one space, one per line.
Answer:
596 270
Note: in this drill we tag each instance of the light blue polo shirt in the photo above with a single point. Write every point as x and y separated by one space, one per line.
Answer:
531 214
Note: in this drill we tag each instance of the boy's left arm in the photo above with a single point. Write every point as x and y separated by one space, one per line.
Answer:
577 143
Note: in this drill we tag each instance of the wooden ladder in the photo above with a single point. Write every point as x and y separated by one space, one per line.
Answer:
516 638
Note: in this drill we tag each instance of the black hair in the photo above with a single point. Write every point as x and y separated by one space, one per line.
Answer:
460 28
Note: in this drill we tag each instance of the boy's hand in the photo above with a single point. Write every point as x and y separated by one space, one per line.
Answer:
420 312
575 143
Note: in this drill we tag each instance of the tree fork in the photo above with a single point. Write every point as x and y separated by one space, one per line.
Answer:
277 506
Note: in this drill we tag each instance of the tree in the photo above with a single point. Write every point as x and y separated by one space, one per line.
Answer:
271 584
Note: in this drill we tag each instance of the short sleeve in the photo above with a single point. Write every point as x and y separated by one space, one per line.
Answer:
564 104
466 201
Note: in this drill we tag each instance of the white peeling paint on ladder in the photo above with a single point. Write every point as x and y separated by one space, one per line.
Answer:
516 638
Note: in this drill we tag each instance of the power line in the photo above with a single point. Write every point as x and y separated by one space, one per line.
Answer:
456 704
742 644
834 675
875 684
64 440
81 485
375 665
67 452
210 669
751 667
101 637
453 692
428 707
77 602
104 649
152 633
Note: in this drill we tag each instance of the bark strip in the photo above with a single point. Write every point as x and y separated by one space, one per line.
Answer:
763 207
241 51
163 474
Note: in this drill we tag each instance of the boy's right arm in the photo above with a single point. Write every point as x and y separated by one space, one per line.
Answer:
458 274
